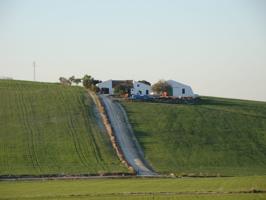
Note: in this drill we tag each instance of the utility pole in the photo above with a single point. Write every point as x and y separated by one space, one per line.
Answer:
34 71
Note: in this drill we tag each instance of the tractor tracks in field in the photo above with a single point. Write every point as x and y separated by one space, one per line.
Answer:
24 110
72 132
81 147
88 114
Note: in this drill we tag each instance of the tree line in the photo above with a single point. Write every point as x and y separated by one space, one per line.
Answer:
87 81
90 83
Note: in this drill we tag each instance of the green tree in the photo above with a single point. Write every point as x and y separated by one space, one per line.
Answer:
160 87
87 81
77 80
121 89
90 83
72 78
64 81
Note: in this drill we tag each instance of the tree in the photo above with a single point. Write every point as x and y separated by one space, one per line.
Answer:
122 89
96 81
94 88
64 81
77 80
145 82
90 83
87 81
160 87
72 78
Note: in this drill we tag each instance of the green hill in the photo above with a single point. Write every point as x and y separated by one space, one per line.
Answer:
51 129
217 136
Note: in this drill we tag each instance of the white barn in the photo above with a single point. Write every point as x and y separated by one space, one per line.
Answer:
137 88
180 89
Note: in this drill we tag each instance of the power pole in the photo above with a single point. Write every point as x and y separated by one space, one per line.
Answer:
34 71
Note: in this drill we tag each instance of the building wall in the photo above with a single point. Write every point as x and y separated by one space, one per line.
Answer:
140 88
106 84
177 91
178 87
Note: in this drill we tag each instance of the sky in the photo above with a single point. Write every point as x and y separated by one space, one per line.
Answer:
217 47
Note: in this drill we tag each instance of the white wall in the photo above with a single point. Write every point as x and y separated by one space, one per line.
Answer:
106 84
138 86
177 89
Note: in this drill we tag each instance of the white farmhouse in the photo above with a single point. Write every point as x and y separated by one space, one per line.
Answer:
140 88
180 89
136 88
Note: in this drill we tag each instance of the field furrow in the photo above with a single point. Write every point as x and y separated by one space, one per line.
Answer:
27 129
49 129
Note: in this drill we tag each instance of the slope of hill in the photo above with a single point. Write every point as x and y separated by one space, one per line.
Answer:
51 129
218 136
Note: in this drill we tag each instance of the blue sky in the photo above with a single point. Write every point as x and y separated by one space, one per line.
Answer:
217 47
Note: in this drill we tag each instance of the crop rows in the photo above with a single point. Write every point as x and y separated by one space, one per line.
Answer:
51 129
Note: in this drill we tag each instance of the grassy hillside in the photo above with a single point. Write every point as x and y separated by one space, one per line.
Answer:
51 129
218 136
233 188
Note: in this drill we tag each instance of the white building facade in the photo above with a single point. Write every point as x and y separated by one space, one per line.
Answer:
180 89
106 87
140 88
137 88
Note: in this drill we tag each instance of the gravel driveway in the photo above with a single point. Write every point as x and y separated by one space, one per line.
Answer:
125 137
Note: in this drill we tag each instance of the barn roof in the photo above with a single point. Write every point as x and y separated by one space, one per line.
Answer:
173 83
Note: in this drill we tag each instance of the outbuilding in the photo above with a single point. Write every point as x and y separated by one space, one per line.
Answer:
179 89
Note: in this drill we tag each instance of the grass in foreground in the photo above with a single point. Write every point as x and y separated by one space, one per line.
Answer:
218 136
51 129
187 188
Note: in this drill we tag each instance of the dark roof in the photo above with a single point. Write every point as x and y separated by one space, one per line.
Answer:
128 83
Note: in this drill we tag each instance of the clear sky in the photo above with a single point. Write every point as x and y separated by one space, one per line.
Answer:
216 46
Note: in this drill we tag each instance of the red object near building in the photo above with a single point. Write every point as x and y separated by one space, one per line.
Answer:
164 94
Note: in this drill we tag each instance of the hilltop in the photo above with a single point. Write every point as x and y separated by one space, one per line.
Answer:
51 129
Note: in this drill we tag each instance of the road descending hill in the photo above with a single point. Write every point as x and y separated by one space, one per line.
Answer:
125 137
216 137
51 129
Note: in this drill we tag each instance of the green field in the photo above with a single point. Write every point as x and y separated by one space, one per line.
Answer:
51 129
215 137
186 188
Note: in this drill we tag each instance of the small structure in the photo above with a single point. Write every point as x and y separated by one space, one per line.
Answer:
134 87
180 90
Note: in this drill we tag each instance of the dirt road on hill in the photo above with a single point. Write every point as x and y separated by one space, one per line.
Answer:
125 137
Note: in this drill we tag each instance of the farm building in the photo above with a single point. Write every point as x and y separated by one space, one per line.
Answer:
135 87
179 89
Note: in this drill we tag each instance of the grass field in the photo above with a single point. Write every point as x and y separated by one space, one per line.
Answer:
51 129
218 136
186 188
